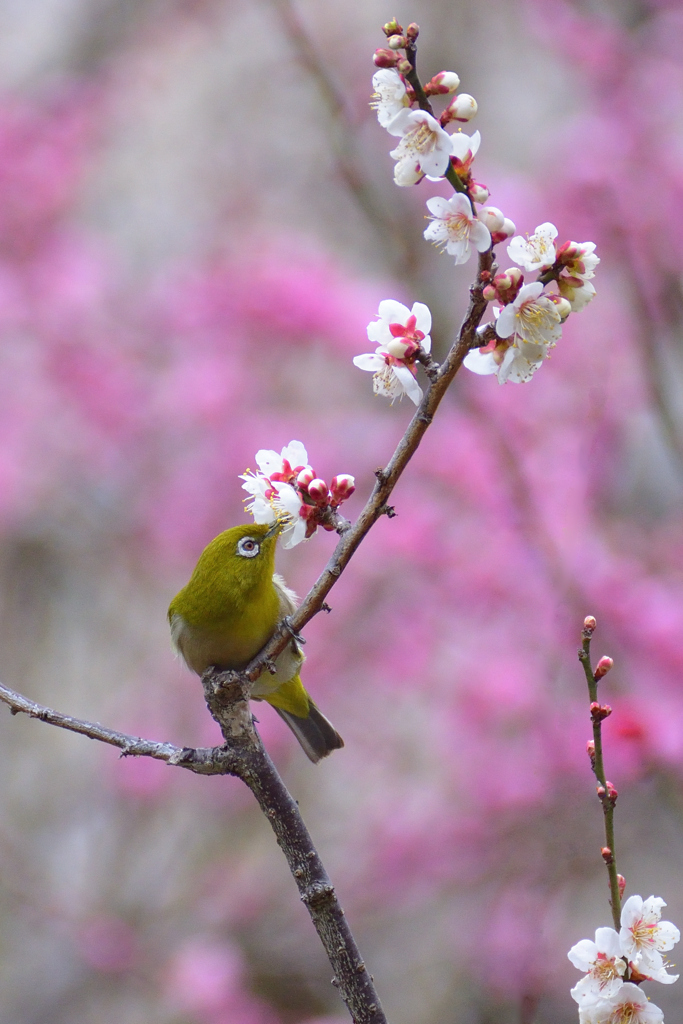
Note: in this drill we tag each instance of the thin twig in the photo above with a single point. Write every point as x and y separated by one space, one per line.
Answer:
606 791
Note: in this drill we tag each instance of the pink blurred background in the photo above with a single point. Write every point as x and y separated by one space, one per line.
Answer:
197 221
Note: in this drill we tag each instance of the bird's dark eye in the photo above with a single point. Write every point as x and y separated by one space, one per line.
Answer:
248 547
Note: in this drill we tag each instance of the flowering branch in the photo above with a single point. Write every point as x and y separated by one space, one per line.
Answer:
387 478
606 791
623 957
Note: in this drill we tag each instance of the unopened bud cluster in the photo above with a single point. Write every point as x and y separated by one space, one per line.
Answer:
287 490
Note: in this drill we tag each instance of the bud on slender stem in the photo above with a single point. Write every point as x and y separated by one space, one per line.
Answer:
603 667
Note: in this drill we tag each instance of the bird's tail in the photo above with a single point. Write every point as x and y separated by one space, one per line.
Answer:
315 733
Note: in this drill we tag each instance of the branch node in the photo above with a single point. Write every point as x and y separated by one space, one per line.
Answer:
381 474
389 511
317 893
324 607
335 570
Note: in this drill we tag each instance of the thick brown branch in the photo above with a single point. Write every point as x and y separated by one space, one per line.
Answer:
245 757
203 760
351 978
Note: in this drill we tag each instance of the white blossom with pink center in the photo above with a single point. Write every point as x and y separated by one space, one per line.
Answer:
629 1006
399 333
425 148
536 252
604 963
390 96
274 498
644 937
455 227
532 320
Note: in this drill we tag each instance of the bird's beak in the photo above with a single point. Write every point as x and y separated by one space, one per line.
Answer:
275 528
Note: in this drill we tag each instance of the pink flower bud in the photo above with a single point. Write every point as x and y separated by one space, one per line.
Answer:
304 478
489 293
590 748
568 252
508 279
600 711
383 58
562 305
606 854
492 217
478 193
413 31
600 790
317 489
401 348
396 42
590 623
443 84
611 792
461 108
391 28
603 667
342 487
404 67
621 881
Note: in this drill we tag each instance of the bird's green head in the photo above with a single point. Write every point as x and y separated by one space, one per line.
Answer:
234 569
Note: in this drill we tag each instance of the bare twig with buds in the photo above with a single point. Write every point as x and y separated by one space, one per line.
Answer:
607 793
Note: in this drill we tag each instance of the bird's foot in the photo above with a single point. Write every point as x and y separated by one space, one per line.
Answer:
294 635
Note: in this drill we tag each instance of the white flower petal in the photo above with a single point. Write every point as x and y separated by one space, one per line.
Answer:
296 454
393 312
268 461
583 954
506 322
369 361
408 383
423 317
480 362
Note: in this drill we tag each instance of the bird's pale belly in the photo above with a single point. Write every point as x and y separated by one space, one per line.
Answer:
203 648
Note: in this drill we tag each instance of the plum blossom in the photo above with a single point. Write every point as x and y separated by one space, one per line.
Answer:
629 1006
578 259
400 333
425 148
536 252
456 227
603 961
464 148
644 937
390 96
532 320
506 361
286 490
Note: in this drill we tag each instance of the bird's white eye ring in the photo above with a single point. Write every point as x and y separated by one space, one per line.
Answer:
248 547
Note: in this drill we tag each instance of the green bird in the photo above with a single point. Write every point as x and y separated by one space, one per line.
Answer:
228 611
